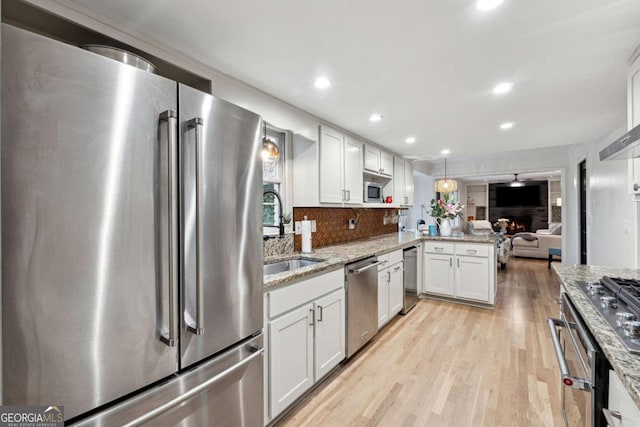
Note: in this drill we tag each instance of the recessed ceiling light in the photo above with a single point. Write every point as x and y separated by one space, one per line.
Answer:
488 4
445 151
506 125
375 117
503 88
322 83
410 140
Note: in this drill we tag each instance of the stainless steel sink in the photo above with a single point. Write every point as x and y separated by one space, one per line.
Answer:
289 265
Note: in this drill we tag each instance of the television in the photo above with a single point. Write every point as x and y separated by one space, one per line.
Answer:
511 197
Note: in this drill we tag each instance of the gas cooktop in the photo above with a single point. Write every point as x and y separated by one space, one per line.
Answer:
618 300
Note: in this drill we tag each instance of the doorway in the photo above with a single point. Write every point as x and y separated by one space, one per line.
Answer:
583 211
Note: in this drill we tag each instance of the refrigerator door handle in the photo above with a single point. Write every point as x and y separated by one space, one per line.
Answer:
170 337
145 418
198 327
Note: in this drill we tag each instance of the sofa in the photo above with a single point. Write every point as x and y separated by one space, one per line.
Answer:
536 245
479 228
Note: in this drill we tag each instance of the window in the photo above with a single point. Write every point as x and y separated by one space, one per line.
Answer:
273 179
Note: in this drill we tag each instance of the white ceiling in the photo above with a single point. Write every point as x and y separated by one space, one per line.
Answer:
428 66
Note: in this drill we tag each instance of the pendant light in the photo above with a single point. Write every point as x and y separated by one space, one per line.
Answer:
270 150
446 185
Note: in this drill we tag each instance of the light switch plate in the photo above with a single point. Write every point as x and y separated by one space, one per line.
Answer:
313 226
298 227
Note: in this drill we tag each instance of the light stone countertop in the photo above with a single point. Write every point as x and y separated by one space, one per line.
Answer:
624 363
336 256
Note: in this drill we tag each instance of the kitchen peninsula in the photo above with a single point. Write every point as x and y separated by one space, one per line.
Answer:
307 312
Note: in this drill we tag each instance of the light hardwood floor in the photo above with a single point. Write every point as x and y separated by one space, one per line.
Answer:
453 365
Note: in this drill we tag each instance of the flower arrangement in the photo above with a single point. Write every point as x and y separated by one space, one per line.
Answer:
446 207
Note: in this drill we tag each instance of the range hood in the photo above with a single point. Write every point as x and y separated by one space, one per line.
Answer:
625 147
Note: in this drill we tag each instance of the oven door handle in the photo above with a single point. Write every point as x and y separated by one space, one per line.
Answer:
567 378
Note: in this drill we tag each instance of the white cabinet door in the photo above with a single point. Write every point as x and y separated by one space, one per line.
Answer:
620 401
383 297
408 182
371 159
330 330
290 357
633 120
331 165
438 274
399 196
396 289
386 163
353 170
472 278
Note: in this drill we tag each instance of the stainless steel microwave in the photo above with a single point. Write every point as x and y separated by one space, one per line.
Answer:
372 192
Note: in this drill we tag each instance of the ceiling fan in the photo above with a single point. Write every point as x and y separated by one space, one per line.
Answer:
516 182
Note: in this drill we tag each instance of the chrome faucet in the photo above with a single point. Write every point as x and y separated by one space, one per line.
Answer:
281 224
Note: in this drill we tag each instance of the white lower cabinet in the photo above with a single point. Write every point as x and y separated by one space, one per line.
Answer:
330 332
291 357
390 286
472 278
622 408
460 270
305 337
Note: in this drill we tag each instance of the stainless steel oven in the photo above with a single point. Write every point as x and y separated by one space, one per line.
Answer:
583 368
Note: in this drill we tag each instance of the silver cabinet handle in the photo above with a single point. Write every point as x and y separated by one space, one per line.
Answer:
471 251
438 249
360 270
388 276
195 391
567 378
636 187
170 337
320 316
458 259
397 268
313 317
450 262
198 327
348 195
609 415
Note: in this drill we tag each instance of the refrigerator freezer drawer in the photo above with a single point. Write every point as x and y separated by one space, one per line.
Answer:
225 391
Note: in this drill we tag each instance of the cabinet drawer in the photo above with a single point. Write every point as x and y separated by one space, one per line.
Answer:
384 261
472 250
285 299
439 247
395 257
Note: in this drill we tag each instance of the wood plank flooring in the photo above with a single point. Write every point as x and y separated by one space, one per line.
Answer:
453 365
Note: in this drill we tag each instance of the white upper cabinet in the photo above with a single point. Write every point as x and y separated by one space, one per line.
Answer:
633 120
377 161
327 172
402 182
353 182
331 165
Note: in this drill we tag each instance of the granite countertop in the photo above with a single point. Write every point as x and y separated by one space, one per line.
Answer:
624 363
336 256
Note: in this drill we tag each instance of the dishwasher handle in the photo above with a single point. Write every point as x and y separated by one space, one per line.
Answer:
360 270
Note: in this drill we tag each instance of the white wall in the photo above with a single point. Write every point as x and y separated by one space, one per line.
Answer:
423 193
611 213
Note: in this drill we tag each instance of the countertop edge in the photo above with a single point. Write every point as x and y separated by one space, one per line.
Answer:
337 256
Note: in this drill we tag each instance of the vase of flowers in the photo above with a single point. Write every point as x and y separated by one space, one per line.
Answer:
444 210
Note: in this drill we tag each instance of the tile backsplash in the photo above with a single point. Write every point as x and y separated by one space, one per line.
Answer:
332 224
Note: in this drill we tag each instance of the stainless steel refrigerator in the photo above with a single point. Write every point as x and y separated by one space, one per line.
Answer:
131 242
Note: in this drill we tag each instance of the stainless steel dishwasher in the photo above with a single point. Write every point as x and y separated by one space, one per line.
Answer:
362 303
